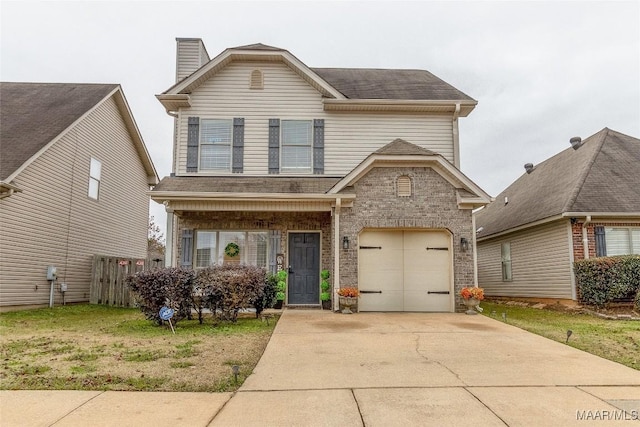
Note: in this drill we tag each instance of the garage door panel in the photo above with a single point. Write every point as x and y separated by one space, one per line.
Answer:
405 266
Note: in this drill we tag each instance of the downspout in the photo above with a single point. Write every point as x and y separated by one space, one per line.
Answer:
336 253
585 237
456 137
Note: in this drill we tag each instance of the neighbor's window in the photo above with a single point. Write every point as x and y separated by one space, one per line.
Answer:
506 262
622 240
215 144
296 146
95 170
211 248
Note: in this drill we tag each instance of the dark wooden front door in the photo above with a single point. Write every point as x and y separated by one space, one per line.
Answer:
304 268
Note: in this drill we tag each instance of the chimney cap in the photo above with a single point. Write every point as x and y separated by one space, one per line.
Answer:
575 142
528 167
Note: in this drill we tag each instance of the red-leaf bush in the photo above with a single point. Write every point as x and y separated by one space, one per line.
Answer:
608 279
171 287
229 288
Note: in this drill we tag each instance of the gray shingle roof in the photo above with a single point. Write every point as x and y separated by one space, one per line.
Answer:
368 83
245 184
32 114
401 147
600 176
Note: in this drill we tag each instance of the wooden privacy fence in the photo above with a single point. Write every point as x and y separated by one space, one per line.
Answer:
108 276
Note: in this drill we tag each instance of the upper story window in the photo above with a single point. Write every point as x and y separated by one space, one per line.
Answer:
215 144
296 146
95 171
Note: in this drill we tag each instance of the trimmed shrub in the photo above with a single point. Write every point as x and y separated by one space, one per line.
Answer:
229 288
607 279
636 302
267 297
169 287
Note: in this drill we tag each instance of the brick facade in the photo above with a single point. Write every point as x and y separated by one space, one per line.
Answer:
432 205
576 236
258 221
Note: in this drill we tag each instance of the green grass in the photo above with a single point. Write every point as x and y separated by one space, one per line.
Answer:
91 347
617 340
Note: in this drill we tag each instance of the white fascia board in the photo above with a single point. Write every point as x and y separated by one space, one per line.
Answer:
188 195
602 214
442 106
172 102
522 227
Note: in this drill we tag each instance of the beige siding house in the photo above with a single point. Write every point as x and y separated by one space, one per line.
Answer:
74 178
583 202
355 171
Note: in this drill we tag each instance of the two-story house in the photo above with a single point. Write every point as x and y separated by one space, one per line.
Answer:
355 171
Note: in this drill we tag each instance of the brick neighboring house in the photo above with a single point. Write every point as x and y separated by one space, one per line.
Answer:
350 170
581 203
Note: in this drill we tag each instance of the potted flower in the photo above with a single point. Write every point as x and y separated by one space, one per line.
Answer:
325 286
348 298
471 297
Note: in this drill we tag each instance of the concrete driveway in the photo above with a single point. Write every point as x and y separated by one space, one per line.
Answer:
382 369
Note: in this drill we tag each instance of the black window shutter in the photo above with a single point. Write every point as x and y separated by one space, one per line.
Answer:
238 145
186 258
601 241
193 138
318 146
274 146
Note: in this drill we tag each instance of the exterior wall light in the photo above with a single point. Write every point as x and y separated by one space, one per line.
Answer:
464 244
345 242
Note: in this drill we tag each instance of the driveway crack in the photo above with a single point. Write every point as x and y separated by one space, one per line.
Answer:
437 362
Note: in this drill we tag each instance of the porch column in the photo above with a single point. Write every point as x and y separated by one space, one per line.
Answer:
336 253
168 249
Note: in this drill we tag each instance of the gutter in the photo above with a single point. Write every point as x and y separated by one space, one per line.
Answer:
585 236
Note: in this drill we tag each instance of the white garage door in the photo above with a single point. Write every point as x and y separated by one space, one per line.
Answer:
404 271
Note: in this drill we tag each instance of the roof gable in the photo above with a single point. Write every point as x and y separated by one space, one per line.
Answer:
597 177
35 115
400 153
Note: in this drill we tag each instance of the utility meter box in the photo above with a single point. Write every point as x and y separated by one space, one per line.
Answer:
63 287
52 273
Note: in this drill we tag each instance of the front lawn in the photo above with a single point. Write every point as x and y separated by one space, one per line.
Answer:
617 340
91 347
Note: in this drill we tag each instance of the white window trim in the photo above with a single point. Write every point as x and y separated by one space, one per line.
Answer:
296 171
629 238
506 263
217 248
95 176
200 144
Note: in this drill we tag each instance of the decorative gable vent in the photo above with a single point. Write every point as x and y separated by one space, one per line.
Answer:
404 186
257 80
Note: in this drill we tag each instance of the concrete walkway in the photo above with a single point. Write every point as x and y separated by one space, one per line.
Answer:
375 369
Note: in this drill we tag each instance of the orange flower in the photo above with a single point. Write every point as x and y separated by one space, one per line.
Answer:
472 292
349 292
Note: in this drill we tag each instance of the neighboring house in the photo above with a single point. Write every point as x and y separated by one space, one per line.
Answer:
74 182
583 202
350 170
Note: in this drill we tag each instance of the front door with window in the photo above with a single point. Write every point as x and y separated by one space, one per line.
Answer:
304 268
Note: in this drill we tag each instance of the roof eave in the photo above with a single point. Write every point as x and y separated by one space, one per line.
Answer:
160 196
172 102
407 105
519 227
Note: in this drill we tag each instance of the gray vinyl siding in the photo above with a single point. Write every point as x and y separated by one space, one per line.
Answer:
54 222
191 55
540 262
349 137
